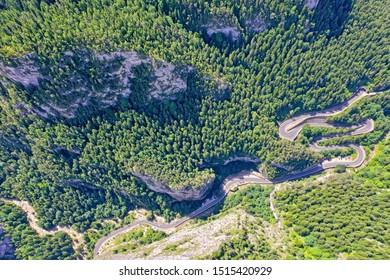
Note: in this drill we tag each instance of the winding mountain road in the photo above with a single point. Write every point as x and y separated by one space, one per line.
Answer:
288 130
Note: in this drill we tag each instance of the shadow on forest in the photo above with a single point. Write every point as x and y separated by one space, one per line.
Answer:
222 172
330 16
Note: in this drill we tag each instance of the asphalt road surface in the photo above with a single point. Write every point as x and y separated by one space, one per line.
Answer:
288 130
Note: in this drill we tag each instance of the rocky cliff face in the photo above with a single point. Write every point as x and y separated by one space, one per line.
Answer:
26 72
312 4
6 248
231 31
81 78
185 193
257 24
222 24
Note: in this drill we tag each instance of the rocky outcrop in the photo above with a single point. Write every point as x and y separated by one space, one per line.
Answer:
245 159
167 81
257 24
232 159
185 193
82 78
25 72
223 25
228 31
311 4
128 61
6 248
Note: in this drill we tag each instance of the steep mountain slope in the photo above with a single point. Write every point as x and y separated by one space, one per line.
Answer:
108 106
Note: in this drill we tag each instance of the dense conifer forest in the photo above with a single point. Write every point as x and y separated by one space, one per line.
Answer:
96 94
345 217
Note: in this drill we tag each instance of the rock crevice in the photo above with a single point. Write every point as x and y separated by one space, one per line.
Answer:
185 193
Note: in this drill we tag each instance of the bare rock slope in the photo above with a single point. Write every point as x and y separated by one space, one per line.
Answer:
96 80
184 193
312 4
199 240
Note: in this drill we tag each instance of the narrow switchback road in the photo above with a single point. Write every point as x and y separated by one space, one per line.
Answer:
288 130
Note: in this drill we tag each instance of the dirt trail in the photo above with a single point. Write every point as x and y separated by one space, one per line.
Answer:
77 238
